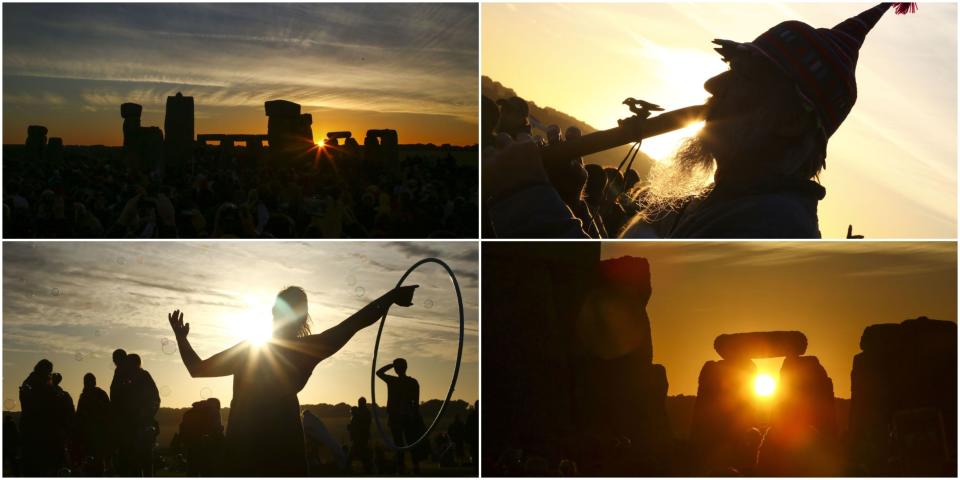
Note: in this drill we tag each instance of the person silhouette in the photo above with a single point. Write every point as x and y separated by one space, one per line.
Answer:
403 410
93 421
142 427
38 402
63 417
264 432
119 405
359 430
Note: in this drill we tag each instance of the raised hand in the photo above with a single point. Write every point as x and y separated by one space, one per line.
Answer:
180 330
403 296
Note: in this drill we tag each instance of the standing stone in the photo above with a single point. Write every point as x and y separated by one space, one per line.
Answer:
306 131
285 129
724 413
904 369
36 142
802 439
132 135
178 124
54 150
152 153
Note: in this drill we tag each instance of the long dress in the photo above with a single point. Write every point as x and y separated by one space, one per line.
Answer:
264 432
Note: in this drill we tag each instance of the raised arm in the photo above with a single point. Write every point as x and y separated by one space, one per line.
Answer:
323 345
382 372
220 365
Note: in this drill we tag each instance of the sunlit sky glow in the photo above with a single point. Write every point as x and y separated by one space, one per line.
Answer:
411 67
74 303
830 291
891 168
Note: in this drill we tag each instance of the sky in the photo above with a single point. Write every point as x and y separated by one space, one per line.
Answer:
410 67
891 167
830 291
75 302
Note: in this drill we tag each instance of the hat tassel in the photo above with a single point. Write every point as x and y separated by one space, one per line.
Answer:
904 8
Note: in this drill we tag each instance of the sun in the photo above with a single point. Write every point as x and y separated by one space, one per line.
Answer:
255 324
764 385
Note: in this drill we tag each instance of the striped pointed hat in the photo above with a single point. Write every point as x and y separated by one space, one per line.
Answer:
822 61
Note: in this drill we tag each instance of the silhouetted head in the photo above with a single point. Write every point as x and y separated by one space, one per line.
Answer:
614 182
553 135
133 361
513 116
596 181
362 402
56 378
290 316
400 365
43 367
758 120
89 380
213 403
118 356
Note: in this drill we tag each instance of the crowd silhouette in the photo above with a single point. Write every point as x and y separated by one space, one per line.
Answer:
90 193
56 439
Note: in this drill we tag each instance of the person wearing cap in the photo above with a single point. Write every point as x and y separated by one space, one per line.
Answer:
767 126
766 130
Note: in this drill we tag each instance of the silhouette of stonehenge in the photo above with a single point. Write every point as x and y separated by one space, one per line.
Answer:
289 135
575 378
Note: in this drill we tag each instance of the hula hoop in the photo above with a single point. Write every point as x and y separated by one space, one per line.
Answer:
456 369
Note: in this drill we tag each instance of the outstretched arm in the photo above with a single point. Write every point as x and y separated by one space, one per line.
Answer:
219 365
323 345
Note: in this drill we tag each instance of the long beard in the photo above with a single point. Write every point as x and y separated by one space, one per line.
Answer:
688 175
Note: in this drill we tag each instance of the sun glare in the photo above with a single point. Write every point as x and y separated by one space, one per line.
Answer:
764 385
255 325
661 147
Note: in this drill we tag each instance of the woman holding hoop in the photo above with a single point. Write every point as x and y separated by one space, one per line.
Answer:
264 434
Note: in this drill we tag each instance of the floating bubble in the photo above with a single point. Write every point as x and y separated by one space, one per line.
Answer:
79 356
165 391
205 393
121 260
55 292
351 280
428 303
9 404
359 291
168 346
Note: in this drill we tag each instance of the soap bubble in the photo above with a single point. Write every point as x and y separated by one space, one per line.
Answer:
359 291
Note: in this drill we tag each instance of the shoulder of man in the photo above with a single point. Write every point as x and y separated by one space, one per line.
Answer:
770 215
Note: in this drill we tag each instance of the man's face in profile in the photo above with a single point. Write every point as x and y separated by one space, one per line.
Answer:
743 101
